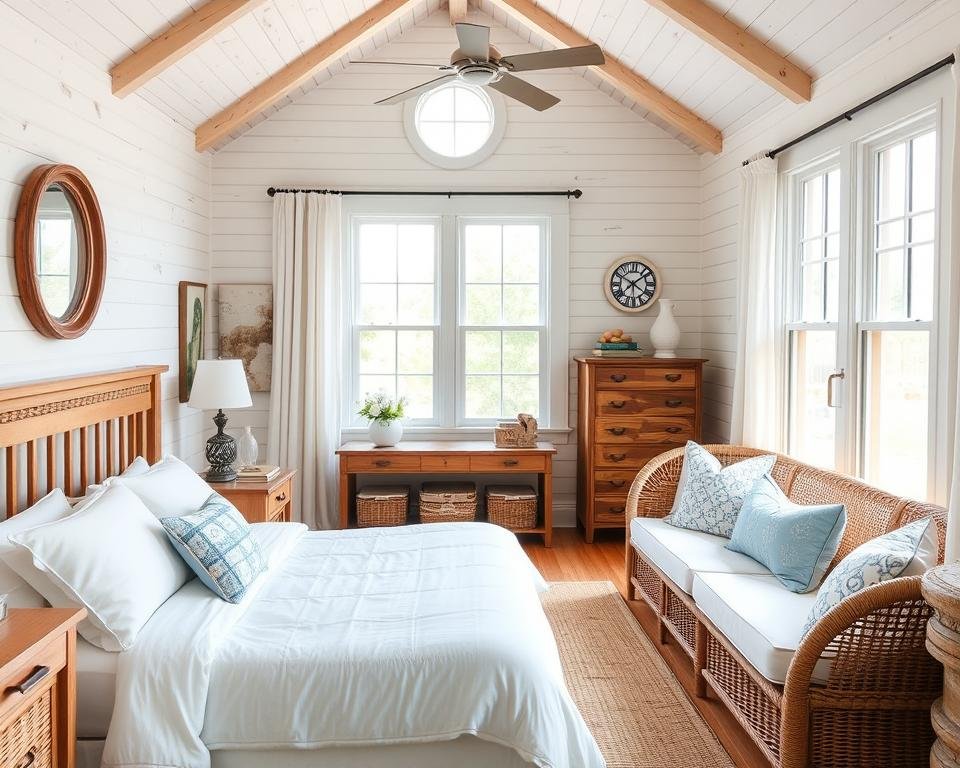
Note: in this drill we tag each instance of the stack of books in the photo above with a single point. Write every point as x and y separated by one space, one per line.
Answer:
617 349
258 473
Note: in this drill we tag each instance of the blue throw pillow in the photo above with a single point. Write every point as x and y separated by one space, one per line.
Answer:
796 543
216 542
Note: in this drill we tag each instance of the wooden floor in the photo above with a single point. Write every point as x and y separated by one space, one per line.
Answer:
572 559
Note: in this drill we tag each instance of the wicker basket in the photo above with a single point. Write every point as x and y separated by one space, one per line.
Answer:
377 507
512 506
448 502
32 732
521 433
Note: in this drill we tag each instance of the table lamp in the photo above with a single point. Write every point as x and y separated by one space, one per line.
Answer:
220 384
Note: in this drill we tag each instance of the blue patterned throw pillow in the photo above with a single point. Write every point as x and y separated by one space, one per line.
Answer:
907 551
710 495
796 543
216 542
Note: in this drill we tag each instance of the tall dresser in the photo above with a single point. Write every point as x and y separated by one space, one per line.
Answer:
630 410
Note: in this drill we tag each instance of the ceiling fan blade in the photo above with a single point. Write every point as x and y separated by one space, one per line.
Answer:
474 40
415 91
438 67
582 56
522 91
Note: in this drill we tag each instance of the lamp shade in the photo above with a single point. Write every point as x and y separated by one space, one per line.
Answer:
219 384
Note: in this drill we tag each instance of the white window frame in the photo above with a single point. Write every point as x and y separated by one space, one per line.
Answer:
452 212
910 112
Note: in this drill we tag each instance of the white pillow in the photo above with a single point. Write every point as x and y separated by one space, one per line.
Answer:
169 488
113 557
137 467
25 592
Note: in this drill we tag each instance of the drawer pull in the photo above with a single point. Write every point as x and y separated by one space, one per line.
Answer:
618 510
281 496
31 759
673 403
617 456
35 677
672 376
616 430
617 483
510 462
382 462
617 403
674 430
618 377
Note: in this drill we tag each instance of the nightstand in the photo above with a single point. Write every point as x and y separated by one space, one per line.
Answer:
270 502
38 687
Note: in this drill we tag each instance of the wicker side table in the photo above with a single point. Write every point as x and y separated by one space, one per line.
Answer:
941 588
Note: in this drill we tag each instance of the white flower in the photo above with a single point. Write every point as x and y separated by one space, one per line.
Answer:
374 409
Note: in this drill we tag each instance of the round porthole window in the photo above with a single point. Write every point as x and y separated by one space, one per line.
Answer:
455 125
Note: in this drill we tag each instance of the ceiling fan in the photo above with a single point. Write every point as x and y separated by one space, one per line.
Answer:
478 63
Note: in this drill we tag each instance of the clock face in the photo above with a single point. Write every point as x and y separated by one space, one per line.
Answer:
632 285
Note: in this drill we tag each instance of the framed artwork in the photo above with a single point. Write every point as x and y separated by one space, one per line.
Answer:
246 330
192 316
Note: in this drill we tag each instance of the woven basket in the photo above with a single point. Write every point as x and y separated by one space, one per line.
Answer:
377 507
512 506
448 502
31 732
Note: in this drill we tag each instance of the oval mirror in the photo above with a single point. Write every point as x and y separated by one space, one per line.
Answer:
60 251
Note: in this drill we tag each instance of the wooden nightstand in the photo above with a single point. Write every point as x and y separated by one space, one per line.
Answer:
38 687
270 502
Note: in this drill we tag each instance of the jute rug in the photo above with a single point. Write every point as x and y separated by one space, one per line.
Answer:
636 710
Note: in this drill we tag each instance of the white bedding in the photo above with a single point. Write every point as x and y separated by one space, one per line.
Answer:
354 638
96 689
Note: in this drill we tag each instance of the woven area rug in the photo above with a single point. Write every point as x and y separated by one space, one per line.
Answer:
636 710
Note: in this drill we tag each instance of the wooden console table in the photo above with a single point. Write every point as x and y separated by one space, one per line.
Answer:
444 458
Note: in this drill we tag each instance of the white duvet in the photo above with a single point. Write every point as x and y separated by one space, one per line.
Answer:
364 637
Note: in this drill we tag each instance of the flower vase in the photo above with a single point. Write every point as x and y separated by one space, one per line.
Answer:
665 333
385 435
248 451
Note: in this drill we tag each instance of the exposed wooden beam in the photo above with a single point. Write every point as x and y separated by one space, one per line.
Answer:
300 70
184 36
629 82
458 10
739 45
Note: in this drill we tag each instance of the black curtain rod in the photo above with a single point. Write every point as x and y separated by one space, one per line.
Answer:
574 193
848 115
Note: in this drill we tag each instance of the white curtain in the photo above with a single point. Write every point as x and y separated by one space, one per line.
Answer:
305 401
953 503
756 417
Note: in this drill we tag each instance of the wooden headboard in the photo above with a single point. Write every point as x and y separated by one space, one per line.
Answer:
46 429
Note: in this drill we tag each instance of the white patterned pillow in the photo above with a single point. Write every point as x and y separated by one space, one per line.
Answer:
216 542
907 551
710 495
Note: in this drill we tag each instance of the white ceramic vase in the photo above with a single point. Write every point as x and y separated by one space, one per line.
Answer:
665 333
385 435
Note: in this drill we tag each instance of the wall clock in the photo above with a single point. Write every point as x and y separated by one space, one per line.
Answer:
632 284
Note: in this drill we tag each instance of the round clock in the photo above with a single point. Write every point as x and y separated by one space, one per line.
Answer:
632 284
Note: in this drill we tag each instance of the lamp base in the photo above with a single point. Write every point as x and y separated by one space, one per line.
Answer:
221 453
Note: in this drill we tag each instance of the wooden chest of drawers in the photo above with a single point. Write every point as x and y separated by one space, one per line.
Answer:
630 410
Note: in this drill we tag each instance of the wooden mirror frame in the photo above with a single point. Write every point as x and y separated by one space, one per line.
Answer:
90 232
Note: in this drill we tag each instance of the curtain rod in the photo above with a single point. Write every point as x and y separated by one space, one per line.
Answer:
568 193
848 115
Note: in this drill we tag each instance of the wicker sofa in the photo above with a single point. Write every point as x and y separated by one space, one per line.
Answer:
857 689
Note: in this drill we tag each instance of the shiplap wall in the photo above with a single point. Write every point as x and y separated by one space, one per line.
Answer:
56 107
641 187
910 44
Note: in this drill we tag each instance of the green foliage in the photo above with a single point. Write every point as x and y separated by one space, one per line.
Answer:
382 408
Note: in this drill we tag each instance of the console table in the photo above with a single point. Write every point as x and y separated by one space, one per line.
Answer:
444 458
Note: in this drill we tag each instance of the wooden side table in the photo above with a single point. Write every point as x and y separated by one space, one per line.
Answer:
941 588
269 502
38 686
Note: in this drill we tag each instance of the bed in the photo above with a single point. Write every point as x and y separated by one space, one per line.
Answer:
420 646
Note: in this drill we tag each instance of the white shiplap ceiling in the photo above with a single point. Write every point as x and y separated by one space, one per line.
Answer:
817 35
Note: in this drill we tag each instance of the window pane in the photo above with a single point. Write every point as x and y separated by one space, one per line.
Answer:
833 201
378 304
483 305
378 253
891 291
439 106
897 391
483 397
419 392
469 137
923 176
921 283
415 253
812 292
371 385
921 228
415 304
812 423
521 254
521 352
482 353
482 253
521 394
521 304
890 235
438 137
378 351
891 182
415 352
812 207
833 290
469 106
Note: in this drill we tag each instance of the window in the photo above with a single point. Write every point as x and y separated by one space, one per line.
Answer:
455 125
454 311
860 249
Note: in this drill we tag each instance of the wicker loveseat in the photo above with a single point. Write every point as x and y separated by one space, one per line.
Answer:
857 688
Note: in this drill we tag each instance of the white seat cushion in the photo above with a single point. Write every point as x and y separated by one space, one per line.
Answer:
680 553
760 618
